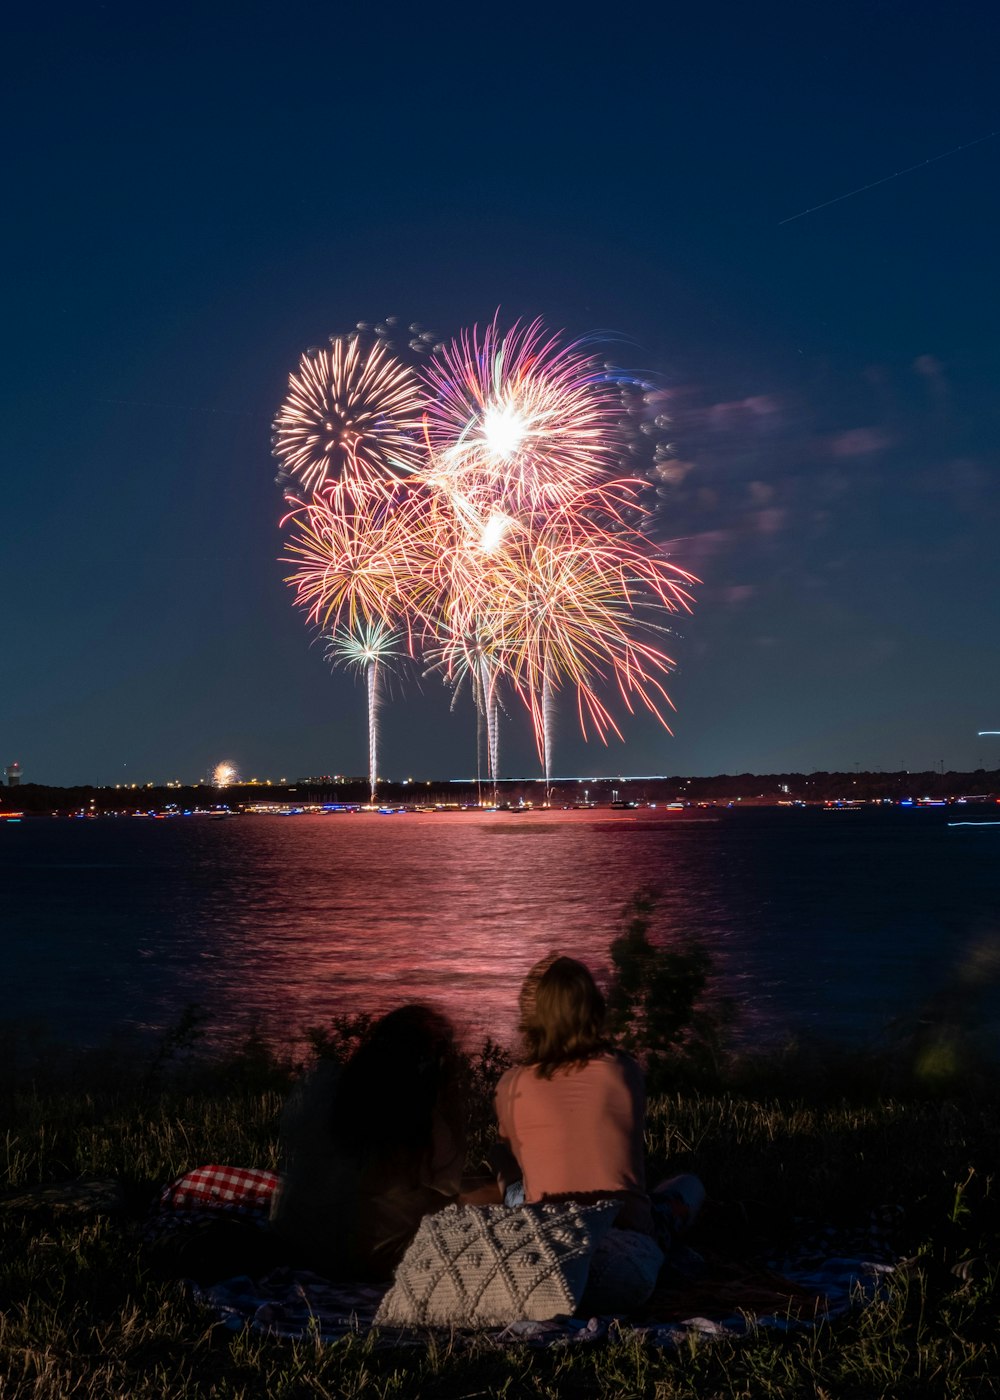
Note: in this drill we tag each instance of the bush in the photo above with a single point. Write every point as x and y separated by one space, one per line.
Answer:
660 1006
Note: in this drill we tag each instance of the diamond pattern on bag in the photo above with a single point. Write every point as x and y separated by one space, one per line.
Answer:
481 1266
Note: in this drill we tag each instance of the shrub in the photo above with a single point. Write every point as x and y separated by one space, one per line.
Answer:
660 1005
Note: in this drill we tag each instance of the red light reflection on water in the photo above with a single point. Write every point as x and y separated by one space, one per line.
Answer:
815 926
317 916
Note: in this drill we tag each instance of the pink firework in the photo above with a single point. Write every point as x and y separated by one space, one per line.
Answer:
520 414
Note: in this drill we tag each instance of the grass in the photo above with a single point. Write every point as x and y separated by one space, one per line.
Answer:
82 1315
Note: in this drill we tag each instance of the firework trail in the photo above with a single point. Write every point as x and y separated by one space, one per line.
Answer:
351 418
491 714
548 713
571 597
458 541
367 648
473 659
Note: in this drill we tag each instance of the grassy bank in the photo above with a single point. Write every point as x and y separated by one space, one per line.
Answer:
83 1314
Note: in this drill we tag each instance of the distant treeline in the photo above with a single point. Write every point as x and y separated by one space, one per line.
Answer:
767 789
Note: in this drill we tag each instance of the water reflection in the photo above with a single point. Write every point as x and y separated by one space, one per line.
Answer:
286 922
357 913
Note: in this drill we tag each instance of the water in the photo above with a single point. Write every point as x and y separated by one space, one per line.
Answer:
824 922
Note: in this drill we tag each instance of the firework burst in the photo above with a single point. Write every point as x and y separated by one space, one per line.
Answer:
520 414
500 541
575 606
360 566
351 418
571 598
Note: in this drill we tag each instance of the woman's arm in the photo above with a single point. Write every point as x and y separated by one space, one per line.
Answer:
505 1165
444 1173
501 1156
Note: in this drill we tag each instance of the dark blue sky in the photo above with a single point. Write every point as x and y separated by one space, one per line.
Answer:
197 193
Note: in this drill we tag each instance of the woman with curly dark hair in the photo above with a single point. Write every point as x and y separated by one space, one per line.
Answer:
371 1147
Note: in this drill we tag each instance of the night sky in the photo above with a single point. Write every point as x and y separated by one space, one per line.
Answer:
195 194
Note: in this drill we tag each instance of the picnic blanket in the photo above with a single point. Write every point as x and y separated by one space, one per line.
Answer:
696 1296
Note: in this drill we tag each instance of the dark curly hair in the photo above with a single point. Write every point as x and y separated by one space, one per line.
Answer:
406 1069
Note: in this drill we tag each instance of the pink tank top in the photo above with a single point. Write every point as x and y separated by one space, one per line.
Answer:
580 1133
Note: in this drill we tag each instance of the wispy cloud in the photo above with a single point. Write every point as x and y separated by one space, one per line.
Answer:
859 442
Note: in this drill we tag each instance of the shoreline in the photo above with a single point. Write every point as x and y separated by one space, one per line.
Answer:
980 787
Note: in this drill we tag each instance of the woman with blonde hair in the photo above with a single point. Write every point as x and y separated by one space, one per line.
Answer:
572 1115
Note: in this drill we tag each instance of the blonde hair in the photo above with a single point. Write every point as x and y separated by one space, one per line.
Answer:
562 1015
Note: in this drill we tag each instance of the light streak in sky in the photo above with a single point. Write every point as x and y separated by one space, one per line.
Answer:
886 178
351 418
369 649
224 774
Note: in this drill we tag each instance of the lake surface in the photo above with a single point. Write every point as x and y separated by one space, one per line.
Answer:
827 922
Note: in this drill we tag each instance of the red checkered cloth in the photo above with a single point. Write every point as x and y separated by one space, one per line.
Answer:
238 1190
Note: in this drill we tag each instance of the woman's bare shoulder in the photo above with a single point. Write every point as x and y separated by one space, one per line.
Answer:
508 1079
618 1065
